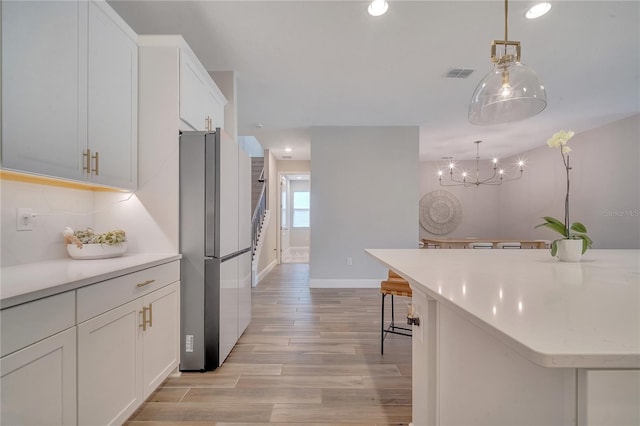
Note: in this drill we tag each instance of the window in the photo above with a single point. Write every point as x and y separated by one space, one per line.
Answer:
301 204
283 208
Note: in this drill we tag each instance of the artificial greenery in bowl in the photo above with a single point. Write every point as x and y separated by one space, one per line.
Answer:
88 236
576 230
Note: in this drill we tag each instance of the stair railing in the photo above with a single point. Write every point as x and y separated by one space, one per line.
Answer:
258 214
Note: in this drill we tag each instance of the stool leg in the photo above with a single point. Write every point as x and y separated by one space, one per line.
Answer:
393 315
382 327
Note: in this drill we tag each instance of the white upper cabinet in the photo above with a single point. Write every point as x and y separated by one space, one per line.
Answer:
69 101
43 122
112 98
201 102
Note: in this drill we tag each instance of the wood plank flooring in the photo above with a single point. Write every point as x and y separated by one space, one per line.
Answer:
308 357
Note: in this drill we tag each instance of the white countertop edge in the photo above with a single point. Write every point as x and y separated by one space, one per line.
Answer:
595 361
138 263
588 361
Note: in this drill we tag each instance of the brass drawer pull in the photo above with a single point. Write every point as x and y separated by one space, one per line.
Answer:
147 282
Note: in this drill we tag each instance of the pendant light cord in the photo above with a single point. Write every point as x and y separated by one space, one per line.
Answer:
506 13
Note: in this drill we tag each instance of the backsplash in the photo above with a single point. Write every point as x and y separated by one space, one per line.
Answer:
54 207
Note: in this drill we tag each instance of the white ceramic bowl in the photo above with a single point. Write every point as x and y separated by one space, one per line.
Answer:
96 251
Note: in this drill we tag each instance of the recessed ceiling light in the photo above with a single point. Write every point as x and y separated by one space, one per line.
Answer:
288 150
538 10
378 7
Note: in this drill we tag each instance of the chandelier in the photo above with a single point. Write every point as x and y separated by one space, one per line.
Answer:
467 178
511 91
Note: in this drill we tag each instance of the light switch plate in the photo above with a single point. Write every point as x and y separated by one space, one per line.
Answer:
24 219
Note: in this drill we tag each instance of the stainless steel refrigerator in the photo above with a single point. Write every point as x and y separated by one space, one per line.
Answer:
215 242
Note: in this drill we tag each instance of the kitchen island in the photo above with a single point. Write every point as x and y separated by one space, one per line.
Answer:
517 337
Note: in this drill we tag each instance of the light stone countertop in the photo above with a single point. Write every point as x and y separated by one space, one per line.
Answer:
31 281
556 314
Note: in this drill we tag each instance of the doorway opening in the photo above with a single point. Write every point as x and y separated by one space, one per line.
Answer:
295 215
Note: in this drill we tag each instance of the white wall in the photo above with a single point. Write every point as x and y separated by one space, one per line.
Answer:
268 255
604 196
364 194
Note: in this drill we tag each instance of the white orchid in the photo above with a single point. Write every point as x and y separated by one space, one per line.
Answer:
560 139
568 230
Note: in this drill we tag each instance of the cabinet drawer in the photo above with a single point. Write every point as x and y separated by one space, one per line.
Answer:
30 322
101 297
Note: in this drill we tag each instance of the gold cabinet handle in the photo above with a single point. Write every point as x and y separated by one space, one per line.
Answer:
144 318
97 163
146 321
86 161
147 282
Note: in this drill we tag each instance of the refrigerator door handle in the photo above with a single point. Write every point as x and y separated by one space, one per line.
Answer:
208 258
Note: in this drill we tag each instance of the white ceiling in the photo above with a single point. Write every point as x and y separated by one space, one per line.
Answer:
329 63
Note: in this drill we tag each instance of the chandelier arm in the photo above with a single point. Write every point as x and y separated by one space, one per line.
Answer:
488 180
515 178
452 184
453 179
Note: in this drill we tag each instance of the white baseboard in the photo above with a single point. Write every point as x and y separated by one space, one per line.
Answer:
266 270
344 283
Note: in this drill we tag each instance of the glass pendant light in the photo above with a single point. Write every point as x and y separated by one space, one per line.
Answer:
378 7
512 91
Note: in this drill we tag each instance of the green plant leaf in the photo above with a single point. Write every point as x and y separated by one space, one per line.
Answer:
554 248
578 227
554 224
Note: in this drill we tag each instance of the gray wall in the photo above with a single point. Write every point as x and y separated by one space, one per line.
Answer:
364 194
478 204
605 191
605 188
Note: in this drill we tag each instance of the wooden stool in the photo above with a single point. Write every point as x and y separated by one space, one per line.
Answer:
394 285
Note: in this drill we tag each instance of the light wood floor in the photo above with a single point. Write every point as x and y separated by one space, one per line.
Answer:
309 357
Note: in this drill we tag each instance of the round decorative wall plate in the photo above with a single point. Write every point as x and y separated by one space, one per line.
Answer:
440 212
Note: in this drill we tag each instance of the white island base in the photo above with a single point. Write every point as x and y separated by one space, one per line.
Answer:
471 378
490 354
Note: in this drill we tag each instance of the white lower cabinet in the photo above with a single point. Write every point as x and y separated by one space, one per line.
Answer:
109 366
125 353
38 384
160 342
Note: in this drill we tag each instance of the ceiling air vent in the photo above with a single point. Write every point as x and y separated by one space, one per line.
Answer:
458 72
287 157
